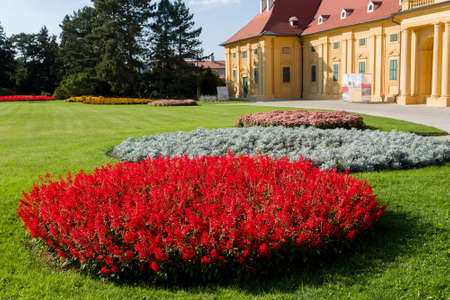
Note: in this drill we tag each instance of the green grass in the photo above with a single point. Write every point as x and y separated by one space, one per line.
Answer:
405 256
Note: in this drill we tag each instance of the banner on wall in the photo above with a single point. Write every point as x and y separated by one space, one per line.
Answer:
357 87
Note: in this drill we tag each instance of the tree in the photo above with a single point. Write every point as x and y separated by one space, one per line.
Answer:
7 61
119 31
78 51
186 38
173 41
38 63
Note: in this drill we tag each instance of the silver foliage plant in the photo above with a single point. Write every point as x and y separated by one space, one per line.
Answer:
356 150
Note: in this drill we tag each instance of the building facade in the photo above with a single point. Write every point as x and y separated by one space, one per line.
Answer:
302 48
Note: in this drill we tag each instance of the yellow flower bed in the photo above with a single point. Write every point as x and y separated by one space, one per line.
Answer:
106 100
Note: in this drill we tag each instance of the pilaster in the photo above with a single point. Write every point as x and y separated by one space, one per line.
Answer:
325 67
379 64
445 92
437 43
405 74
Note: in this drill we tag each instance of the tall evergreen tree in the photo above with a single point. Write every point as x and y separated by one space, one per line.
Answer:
37 62
119 32
78 51
7 61
173 41
186 37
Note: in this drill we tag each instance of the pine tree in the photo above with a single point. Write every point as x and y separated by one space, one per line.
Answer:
174 41
7 62
186 37
37 62
77 49
119 32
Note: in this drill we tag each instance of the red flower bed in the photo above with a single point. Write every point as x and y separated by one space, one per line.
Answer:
169 102
25 98
168 216
296 118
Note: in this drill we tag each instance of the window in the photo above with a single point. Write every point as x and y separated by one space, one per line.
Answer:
286 74
286 50
320 20
313 73
234 76
255 52
244 54
394 37
344 14
336 45
393 66
234 55
256 75
362 42
313 49
362 67
335 72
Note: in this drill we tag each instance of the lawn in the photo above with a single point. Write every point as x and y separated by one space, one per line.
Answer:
406 255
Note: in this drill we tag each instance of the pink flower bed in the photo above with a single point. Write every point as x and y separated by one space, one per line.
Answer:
296 118
171 102
25 98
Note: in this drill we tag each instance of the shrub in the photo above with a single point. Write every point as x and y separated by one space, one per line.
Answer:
296 118
170 102
106 100
172 218
6 92
76 85
25 98
356 150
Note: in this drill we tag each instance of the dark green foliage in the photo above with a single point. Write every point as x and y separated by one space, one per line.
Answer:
209 81
37 62
119 32
78 52
124 48
77 85
7 62
173 42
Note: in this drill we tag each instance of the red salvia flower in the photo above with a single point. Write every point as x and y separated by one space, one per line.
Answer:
208 210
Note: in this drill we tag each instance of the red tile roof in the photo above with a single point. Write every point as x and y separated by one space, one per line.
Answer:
276 21
359 14
217 64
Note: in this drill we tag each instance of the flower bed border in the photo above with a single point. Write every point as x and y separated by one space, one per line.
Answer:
297 118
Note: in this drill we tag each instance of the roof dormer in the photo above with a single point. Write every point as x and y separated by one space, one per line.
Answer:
293 21
373 5
345 12
322 18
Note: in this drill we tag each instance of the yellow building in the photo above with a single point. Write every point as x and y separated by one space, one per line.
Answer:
296 49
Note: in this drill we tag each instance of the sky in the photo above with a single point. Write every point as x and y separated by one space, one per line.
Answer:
220 19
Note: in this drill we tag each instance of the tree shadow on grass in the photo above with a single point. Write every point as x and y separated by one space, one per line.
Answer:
364 260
